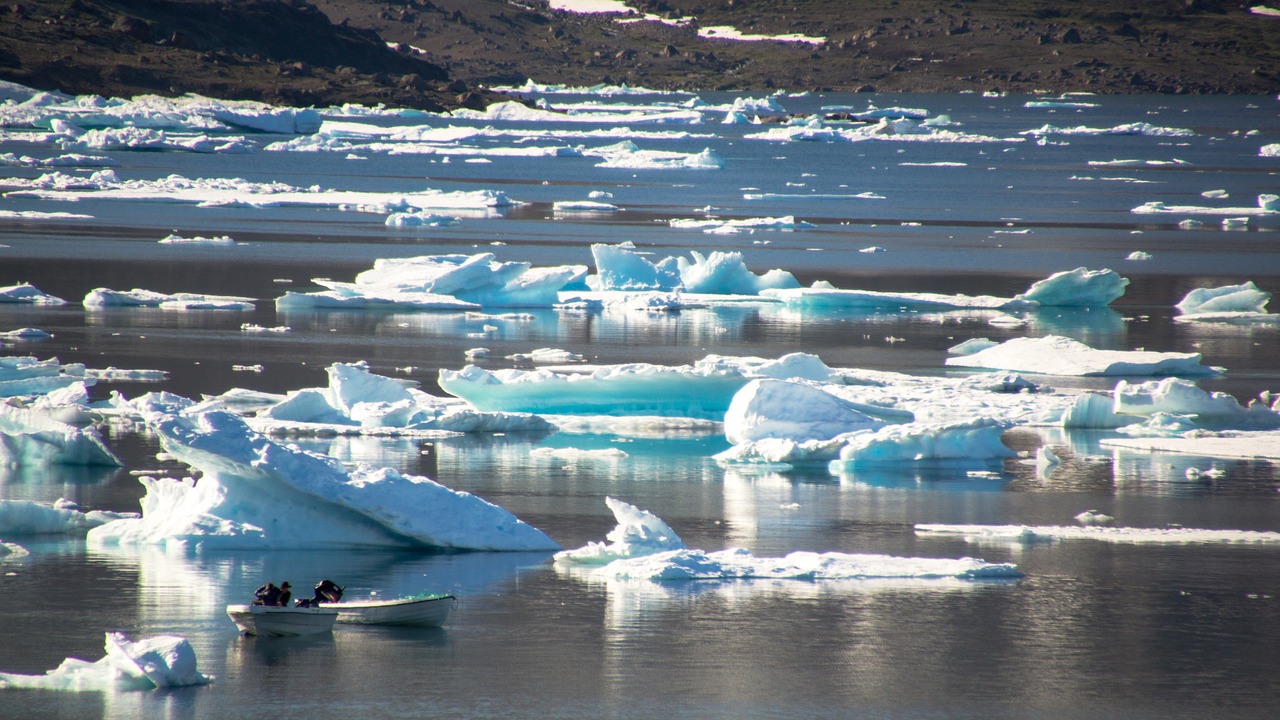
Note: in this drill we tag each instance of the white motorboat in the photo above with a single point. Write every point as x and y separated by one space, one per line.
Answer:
274 621
416 611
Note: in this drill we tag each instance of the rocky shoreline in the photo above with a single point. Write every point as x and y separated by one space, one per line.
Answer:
440 54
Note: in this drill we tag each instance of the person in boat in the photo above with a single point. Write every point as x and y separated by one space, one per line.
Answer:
268 594
285 594
326 591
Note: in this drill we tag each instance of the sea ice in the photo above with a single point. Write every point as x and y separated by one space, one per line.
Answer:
27 517
1228 444
1266 207
27 293
1182 397
255 493
25 375
622 268
30 437
1055 533
357 398
163 661
1075 288
1242 298
643 547
768 408
102 298
1056 355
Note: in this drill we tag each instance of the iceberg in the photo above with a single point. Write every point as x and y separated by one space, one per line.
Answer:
356 398
255 493
1244 445
1055 533
102 298
27 517
30 437
972 441
622 268
1241 304
769 408
1266 207
1057 355
1075 288
164 661
27 293
25 375
703 390
1181 397
446 282
643 547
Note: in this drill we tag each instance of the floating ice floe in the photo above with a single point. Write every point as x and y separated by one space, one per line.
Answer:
627 155
1268 205
445 282
1272 150
643 547
218 241
1075 288
1236 304
702 390
164 661
521 113
1056 355
25 375
622 268
238 192
1055 533
30 437
358 400
64 160
814 128
136 138
64 517
1244 445
1137 128
27 293
255 493
786 223
25 334
102 298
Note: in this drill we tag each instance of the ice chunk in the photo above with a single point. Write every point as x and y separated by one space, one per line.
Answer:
1090 410
1056 355
358 398
1077 288
643 547
971 346
1026 534
26 517
1230 444
638 533
767 408
1093 517
102 298
1245 297
163 661
30 437
1182 397
25 375
27 293
255 493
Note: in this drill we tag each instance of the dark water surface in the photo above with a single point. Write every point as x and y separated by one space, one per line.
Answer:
1094 630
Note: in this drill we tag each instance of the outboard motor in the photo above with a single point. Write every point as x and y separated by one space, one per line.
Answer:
327 591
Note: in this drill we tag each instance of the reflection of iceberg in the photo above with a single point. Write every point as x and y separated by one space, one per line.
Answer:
642 547
256 493
164 661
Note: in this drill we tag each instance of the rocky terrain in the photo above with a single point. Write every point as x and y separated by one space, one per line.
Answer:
441 53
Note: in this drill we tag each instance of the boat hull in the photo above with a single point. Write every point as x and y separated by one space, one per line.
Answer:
282 621
413 612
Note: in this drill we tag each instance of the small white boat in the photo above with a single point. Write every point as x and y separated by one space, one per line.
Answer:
416 611
273 621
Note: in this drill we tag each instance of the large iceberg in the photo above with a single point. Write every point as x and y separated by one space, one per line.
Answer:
643 547
1056 355
164 661
255 493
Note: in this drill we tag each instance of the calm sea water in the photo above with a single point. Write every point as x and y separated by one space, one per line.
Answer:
1094 630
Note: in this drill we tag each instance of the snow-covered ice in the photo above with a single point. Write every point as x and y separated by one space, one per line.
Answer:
1055 533
163 661
1056 355
27 517
256 493
643 547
